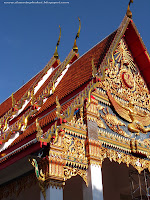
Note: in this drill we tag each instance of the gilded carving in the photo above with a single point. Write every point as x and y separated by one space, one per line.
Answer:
56 53
13 100
113 123
147 141
131 114
94 70
100 124
129 145
109 56
78 103
93 149
49 136
29 95
93 113
123 55
58 108
129 13
75 48
39 174
77 121
20 125
138 163
122 79
97 155
74 147
69 172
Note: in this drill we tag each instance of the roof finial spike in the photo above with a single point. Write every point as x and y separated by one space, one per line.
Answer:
129 13
56 53
13 100
94 70
75 48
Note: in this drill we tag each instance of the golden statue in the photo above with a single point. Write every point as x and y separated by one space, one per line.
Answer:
131 114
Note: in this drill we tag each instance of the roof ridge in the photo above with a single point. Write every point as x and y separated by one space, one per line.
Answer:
108 55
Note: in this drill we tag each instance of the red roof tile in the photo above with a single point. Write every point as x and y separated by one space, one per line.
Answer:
7 105
79 73
44 121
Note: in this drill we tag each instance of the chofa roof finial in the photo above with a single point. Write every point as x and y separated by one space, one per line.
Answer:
129 13
75 48
56 53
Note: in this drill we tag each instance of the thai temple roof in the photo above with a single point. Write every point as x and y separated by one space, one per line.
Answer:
76 78
58 85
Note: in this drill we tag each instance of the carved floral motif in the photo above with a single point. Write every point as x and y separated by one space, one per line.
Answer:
70 172
117 156
74 147
122 78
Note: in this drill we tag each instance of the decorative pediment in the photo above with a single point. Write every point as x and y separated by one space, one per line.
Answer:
123 79
124 98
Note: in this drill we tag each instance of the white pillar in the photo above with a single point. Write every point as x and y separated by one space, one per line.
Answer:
94 191
52 194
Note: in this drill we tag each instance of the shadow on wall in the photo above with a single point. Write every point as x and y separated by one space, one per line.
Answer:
74 189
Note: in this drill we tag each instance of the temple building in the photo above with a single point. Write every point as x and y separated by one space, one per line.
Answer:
80 128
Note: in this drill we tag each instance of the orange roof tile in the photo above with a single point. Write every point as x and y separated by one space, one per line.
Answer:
7 105
44 121
78 74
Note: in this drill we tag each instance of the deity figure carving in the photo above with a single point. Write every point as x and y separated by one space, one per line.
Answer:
137 119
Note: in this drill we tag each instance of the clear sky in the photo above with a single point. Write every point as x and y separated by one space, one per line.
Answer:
29 33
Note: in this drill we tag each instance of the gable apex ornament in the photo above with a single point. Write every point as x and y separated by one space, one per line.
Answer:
56 53
129 13
75 48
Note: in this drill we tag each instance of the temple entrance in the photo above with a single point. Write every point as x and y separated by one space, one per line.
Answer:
74 188
116 184
124 183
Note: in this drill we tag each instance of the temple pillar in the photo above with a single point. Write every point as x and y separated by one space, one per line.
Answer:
94 191
52 193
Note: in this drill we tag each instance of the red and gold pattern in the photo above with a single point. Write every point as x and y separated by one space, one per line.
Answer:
122 78
128 79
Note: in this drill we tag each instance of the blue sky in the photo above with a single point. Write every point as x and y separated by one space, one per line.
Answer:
29 33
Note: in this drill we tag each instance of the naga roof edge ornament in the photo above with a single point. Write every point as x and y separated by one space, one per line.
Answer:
75 48
56 53
129 13
13 100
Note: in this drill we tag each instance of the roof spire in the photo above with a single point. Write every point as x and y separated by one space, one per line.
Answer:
13 100
56 53
75 48
129 13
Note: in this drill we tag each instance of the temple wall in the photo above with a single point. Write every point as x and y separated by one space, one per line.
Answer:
30 193
74 189
116 183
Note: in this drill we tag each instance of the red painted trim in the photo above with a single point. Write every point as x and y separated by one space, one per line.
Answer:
66 98
27 139
31 149
137 49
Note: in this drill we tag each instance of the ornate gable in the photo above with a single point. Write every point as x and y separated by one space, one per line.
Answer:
123 101
80 117
128 94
